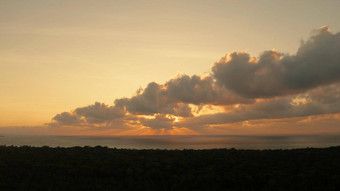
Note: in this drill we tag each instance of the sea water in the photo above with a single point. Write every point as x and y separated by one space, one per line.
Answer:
178 142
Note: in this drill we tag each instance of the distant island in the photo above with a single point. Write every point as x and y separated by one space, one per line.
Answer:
102 168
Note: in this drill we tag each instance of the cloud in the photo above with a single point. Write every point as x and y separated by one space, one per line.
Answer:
201 90
153 99
160 121
67 118
319 101
98 113
240 89
316 63
174 96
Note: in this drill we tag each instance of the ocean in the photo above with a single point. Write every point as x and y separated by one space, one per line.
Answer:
177 142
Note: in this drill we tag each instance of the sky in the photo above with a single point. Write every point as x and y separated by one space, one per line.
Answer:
169 67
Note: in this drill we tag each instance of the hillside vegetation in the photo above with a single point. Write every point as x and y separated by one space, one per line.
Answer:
102 168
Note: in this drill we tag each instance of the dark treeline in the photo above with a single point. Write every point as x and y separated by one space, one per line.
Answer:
102 168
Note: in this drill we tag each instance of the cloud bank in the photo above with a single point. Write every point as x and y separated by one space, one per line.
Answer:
240 88
316 63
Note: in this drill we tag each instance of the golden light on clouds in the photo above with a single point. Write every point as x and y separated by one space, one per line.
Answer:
71 68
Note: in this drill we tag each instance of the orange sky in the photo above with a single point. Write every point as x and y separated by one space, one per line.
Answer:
64 56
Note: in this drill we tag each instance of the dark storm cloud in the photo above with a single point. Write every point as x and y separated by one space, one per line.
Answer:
316 63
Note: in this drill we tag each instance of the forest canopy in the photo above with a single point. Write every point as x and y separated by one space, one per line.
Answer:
102 168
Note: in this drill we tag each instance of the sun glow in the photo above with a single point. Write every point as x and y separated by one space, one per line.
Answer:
206 109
